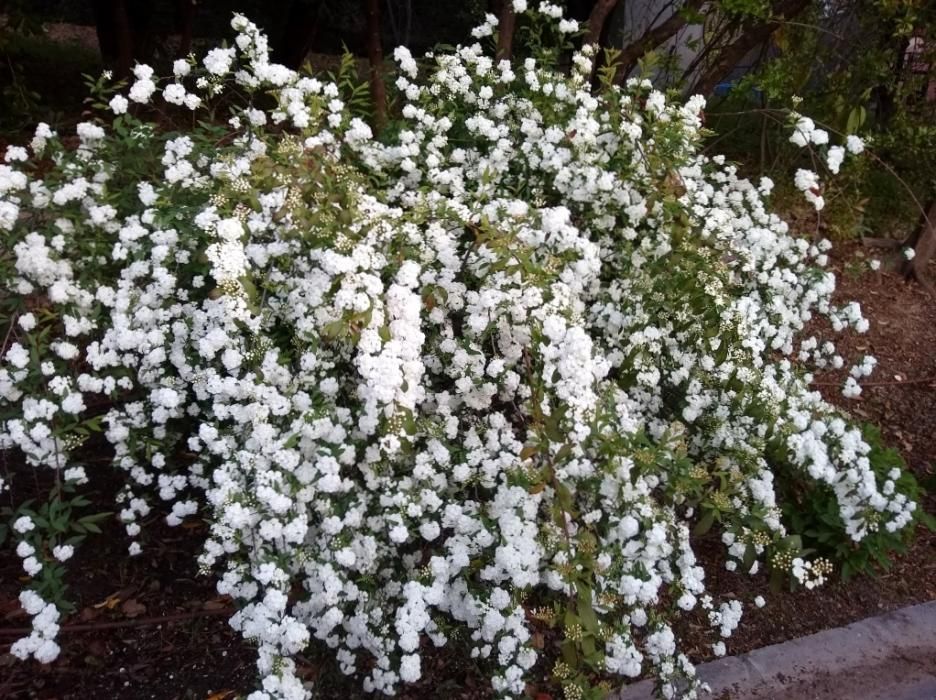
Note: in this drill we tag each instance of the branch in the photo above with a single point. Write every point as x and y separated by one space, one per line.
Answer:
140 622
652 38
753 37
727 28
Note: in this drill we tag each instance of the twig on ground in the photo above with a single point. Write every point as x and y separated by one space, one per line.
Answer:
895 382
119 624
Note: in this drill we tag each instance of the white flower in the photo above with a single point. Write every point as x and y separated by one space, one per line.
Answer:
909 253
410 668
181 68
854 144
24 524
218 61
15 154
803 131
835 157
9 214
174 93
32 566
142 71
119 104
819 137
47 652
63 552
142 90
806 180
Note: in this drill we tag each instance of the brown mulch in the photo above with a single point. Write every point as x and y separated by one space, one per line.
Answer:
151 627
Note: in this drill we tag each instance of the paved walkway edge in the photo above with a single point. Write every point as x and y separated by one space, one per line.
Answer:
864 652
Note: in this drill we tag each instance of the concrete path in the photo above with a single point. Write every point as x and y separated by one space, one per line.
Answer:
891 657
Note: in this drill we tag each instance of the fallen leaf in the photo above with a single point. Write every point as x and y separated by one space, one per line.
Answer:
111 601
221 695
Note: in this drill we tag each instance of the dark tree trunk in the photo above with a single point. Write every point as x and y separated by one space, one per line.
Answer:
106 28
115 38
124 39
375 56
124 33
884 93
505 31
596 21
184 19
923 243
298 34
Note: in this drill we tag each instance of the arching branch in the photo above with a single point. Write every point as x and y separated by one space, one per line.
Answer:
750 38
653 37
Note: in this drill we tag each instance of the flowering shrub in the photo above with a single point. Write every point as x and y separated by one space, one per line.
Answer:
514 350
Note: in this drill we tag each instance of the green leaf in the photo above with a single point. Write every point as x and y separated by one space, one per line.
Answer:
570 653
705 523
856 119
750 555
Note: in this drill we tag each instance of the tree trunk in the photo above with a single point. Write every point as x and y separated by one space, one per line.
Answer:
115 36
123 39
884 93
298 34
505 31
375 57
596 20
652 38
184 19
751 37
923 243
105 25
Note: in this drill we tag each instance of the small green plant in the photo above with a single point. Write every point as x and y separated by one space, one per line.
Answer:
814 513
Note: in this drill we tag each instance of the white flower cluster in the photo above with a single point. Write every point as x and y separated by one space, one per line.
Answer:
411 381
807 134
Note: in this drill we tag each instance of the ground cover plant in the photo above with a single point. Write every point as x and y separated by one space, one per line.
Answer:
482 373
